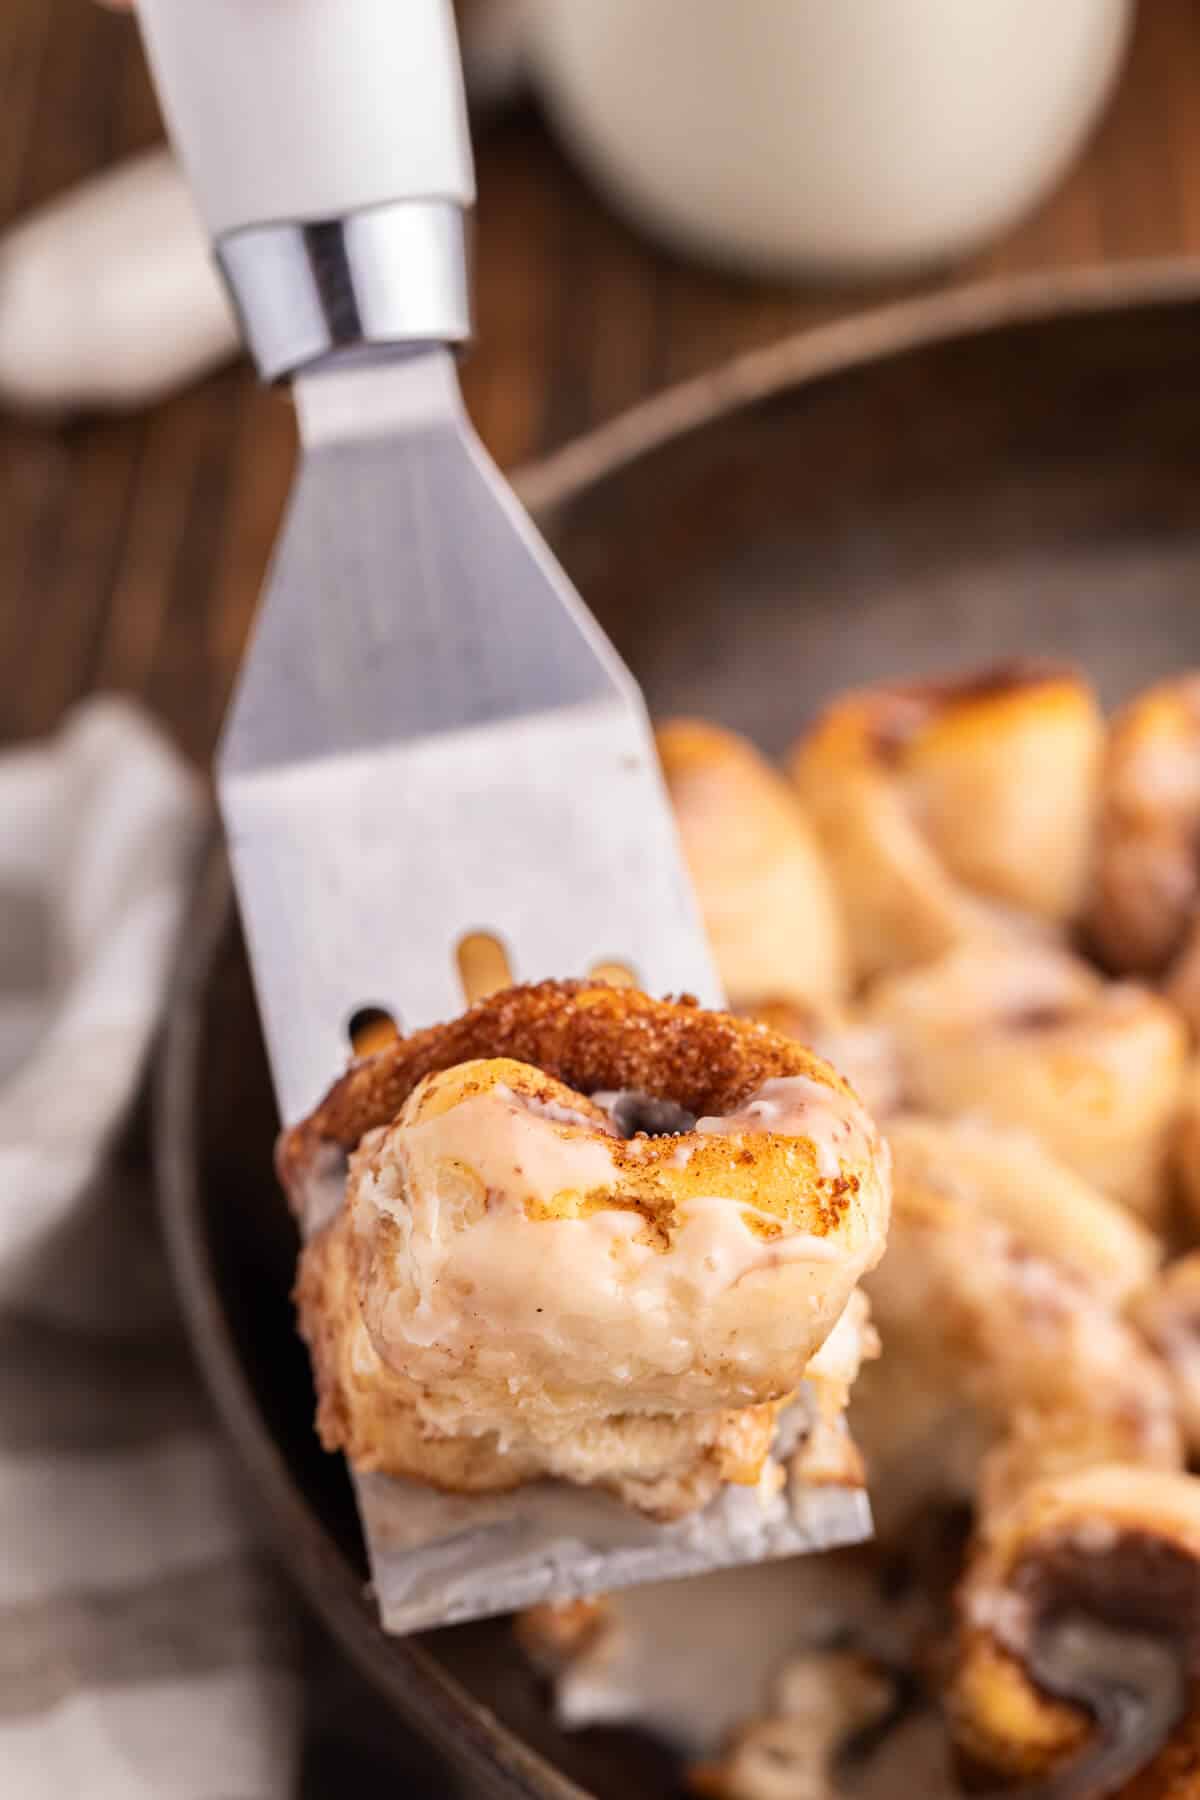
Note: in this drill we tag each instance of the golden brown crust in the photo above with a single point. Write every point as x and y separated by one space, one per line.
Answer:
1028 1036
933 808
1167 1312
1145 898
656 1175
554 1634
1119 1544
588 1035
864 1053
1182 983
1185 1148
764 888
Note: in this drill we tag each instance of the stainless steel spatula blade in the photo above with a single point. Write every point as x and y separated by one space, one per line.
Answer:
431 737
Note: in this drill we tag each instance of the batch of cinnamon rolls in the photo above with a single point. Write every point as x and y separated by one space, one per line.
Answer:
589 1236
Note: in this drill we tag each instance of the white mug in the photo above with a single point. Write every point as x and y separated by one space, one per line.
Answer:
843 137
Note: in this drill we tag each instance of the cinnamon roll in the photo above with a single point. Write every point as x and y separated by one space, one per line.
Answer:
585 1234
1004 1359
1144 909
765 893
1013 1376
1010 1377
953 808
1027 1035
1117 1544
1009 1176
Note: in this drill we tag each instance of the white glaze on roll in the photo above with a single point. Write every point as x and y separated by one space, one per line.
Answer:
518 1257
838 1128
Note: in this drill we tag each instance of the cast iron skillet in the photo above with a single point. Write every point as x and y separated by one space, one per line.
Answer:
998 473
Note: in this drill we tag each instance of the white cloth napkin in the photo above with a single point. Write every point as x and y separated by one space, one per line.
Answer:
145 1653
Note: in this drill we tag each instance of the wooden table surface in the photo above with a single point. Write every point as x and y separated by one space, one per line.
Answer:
132 548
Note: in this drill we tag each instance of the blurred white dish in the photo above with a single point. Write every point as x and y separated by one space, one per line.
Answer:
799 136
108 295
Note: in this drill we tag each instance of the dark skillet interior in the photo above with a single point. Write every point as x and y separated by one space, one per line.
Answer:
1033 489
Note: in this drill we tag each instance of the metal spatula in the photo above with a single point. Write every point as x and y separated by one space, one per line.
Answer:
431 737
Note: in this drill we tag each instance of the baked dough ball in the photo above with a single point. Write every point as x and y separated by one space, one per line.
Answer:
1144 910
1027 1035
1117 1544
509 1267
1167 1311
1004 1355
1009 1176
764 890
953 808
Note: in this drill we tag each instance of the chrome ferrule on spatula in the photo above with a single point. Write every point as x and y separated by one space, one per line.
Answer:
430 736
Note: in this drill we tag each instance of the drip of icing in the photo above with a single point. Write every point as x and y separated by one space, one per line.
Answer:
480 1277
554 1110
836 1126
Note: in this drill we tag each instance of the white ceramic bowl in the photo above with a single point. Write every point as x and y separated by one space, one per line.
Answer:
846 137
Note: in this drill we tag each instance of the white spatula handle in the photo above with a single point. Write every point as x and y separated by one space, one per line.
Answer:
297 118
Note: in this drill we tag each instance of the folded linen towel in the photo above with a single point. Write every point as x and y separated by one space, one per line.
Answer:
145 1650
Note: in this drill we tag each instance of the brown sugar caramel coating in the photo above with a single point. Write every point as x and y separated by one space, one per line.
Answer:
903 707
588 1035
932 804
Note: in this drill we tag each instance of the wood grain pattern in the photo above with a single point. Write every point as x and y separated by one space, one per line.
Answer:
132 549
